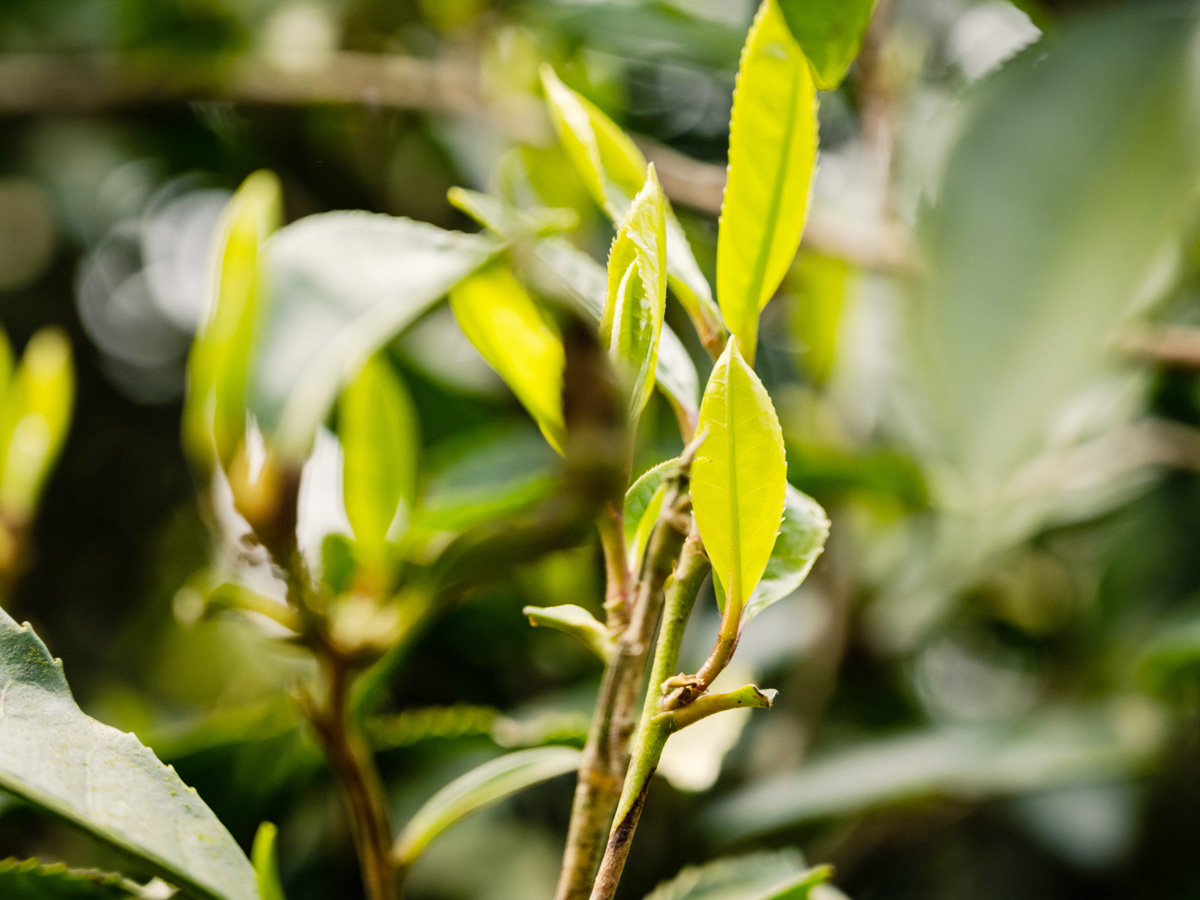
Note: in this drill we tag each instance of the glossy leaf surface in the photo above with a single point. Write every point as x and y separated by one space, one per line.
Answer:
772 158
739 477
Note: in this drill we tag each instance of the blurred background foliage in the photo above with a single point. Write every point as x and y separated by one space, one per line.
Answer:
983 360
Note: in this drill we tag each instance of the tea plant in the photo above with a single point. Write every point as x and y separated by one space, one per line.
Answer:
295 338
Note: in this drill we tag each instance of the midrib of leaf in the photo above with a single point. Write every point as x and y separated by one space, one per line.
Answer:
759 272
735 529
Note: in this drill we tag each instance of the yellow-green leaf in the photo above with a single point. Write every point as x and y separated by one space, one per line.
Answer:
35 420
214 418
637 292
772 157
266 864
614 169
739 477
643 503
380 443
830 32
500 318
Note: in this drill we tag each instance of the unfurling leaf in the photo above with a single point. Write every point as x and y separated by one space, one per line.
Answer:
104 781
380 439
772 158
739 477
500 318
830 32
643 503
614 169
214 417
637 291
34 421
480 787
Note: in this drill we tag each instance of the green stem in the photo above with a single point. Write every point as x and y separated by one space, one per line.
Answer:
653 728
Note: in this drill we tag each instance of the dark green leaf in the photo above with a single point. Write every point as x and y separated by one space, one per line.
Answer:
830 32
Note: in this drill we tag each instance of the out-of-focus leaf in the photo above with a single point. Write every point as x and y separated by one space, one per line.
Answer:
778 875
1049 750
821 286
575 621
30 879
496 215
214 417
266 865
637 291
378 429
772 158
35 420
614 169
1170 661
830 32
569 271
6 364
480 787
486 476
342 285
104 781
1073 174
739 477
500 318
643 503
801 540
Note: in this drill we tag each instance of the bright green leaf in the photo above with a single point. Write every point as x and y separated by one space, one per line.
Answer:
637 291
500 318
104 781
478 788
214 417
266 864
643 503
341 286
378 429
739 477
35 420
772 158
31 879
614 169
830 32
776 875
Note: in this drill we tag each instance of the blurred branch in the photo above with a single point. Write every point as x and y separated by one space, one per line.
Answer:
31 84
1172 346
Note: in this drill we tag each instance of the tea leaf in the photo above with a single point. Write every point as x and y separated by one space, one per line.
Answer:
31 879
265 863
830 32
801 540
777 875
643 503
104 781
500 318
739 477
772 158
478 788
380 439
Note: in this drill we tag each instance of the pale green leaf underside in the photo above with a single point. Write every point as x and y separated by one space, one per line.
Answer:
31 879
103 780
739 478
340 286
830 32
772 158
776 875
613 169
480 787
504 324
801 540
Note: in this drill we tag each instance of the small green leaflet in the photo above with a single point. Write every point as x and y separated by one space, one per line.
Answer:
104 781
378 429
801 540
478 788
266 863
830 32
637 291
774 875
500 318
643 503
613 169
772 158
739 477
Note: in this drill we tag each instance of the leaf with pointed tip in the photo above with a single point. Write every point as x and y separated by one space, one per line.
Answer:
772 158
613 169
830 32
637 291
481 787
775 875
739 477
500 318
378 429
31 879
103 780
266 865
340 286
643 503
